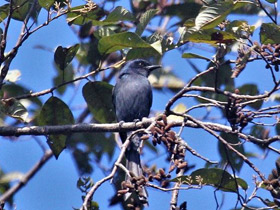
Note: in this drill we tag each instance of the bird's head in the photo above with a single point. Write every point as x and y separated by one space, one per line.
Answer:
139 66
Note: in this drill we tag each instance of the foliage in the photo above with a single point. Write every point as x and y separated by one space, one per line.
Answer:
212 93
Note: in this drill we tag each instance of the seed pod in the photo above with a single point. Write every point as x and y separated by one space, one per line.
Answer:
140 182
266 182
133 180
129 205
123 184
169 139
168 176
161 172
141 195
132 174
145 137
168 126
270 177
172 167
182 154
164 183
154 141
151 178
130 186
122 192
157 177
265 53
274 182
158 130
161 124
164 119
274 173
182 165
164 140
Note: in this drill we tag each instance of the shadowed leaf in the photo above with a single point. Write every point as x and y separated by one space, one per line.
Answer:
63 55
98 96
55 112
269 33
14 109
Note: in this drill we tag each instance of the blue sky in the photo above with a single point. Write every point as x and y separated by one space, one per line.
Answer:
54 187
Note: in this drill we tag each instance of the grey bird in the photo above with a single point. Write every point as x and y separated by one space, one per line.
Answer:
132 99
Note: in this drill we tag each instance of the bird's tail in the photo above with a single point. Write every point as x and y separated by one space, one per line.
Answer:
133 164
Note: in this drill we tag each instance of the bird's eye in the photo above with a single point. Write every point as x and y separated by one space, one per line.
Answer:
140 64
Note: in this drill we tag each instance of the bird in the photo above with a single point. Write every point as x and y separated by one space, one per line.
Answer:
132 100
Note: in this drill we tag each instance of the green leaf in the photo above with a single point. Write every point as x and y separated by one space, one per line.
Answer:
4 11
210 36
187 10
63 76
98 96
269 33
144 20
47 4
271 1
55 112
79 15
251 89
22 9
13 90
226 154
192 55
120 41
103 31
14 109
215 177
63 56
277 127
119 14
154 51
211 15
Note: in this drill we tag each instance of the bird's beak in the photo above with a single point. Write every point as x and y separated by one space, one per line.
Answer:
153 67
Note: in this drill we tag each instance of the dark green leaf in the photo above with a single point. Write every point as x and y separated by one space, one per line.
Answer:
47 4
4 11
271 1
278 128
188 9
22 9
211 15
63 76
55 112
215 177
269 33
120 41
144 20
14 108
63 56
13 90
98 96
251 89
228 155
192 55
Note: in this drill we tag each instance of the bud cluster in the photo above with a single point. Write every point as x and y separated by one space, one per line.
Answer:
234 114
272 53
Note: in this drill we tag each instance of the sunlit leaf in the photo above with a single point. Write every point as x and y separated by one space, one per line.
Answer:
269 33
13 75
192 55
4 11
63 55
144 20
14 108
215 177
98 96
47 4
211 15
80 15
210 36
55 112
120 41
180 109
